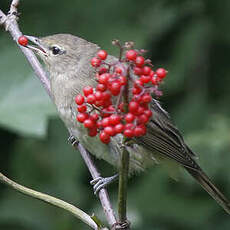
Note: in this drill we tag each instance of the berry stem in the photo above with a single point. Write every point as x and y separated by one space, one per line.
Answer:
123 179
119 98
121 53
124 165
126 91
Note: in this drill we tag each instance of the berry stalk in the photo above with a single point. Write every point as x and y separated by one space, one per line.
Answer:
124 165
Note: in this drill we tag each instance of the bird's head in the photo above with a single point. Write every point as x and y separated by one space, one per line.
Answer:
61 51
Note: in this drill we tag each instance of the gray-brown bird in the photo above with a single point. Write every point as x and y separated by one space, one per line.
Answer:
67 59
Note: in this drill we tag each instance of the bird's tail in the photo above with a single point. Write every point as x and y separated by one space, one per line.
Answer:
205 182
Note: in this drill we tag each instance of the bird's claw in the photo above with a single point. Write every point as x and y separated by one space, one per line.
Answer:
72 140
100 182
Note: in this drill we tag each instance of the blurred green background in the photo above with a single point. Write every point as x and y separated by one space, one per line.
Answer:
191 39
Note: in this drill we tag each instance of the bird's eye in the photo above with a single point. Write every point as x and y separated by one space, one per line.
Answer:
55 50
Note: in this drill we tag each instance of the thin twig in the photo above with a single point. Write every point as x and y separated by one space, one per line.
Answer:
10 24
51 200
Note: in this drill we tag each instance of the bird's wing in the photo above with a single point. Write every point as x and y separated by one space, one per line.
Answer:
163 137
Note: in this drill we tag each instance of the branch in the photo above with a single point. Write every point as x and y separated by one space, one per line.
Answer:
10 23
51 200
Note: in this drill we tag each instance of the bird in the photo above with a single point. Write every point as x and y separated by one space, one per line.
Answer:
67 59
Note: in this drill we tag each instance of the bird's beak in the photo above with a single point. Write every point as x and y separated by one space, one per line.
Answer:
37 46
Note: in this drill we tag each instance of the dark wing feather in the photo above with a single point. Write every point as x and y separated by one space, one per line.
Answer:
164 138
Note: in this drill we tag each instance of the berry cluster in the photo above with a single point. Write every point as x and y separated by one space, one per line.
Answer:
120 102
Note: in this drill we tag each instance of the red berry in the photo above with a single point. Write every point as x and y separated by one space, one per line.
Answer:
145 105
109 130
136 90
103 78
146 98
119 128
137 70
142 119
145 78
129 133
115 88
151 74
111 108
114 119
98 95
99 103
92 132
133 107
123 80
140 61
102 54
106 96
87 90
95 62
23 41
144 129
101 87
155 80
138 83
98 124
148 113
131 55
102 70
139 131
107 103
88 123
161 73
104 137
79 99
140 110
82 108
94 117
146 70
81 117
91 98
118 70
129 126
105 122
137 98
129 117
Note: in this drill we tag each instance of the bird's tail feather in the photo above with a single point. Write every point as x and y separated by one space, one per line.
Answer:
205 182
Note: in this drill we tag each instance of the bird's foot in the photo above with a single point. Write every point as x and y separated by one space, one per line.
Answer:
100 182
73 140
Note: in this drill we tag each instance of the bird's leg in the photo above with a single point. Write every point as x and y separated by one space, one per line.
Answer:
100 182
73 140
